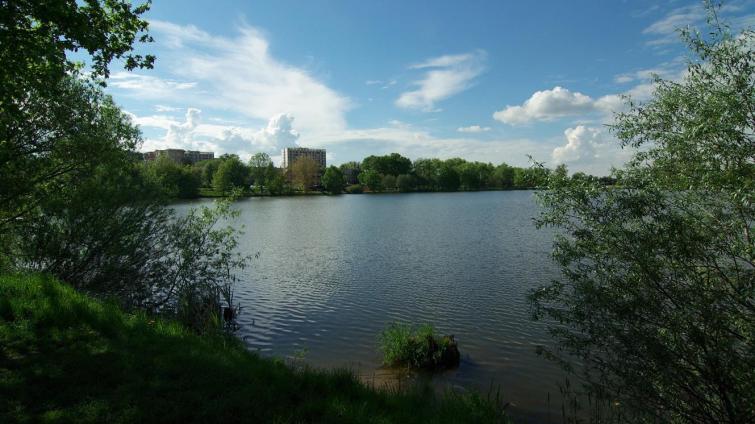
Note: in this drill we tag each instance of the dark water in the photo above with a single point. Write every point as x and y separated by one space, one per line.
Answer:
334 271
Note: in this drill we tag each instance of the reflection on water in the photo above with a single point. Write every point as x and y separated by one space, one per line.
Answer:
334 271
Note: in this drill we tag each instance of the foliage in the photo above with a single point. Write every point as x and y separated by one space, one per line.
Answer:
658 287
43 105
448 178
36 36
332 180
110 236
393 164
417 348
388 182
371 179
57 141
231 174
404 183
90 362
354 189
178 181
277 183
261 169
207 169
305 173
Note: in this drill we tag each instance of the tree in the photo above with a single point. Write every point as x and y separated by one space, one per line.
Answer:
405 183
470 175
393 164
178 181
388 182
207 170
332 180
231 174
504 176
657 296
44 105
259 169
448 177
427 172
305 173
277 183
371 179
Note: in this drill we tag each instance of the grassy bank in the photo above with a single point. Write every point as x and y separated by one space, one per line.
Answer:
65 357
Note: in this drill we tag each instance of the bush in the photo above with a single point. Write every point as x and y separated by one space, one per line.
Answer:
418 349
354 189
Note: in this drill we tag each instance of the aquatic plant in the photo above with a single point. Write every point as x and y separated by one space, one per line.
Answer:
418 348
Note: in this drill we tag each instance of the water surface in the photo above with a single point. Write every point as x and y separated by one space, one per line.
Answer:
335 270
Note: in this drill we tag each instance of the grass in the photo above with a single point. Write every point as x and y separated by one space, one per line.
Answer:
66 357
417 348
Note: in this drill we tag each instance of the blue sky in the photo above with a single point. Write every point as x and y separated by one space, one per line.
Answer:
484 80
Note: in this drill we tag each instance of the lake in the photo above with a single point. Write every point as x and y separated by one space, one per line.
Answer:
333 271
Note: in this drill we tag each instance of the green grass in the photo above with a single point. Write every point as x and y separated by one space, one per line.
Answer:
66 357
417 348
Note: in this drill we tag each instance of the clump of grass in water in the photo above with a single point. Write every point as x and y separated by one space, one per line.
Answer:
418 348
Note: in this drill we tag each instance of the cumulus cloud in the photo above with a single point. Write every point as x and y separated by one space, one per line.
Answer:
590 150
181 134
445 76
235 73
473 129
546 105
279 132
549 105
194 134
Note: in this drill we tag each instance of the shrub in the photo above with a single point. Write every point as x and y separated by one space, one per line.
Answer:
354 189
418 349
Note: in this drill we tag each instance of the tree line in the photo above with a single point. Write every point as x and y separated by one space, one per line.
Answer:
387 173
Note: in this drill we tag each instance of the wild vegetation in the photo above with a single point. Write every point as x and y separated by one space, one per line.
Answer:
65 357
658 288
418 348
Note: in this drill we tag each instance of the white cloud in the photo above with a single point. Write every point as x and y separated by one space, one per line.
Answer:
194 134
235 74
473 129
549 105
148 86
546 105
163 108
664 30
591 150
446 76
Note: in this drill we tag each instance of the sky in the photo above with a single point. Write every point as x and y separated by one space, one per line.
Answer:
491 81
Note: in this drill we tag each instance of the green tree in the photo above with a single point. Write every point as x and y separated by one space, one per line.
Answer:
448 177
277 183
405 182
178 181
470 175
388 182
259 169
503 176
231 174
393 164
207 170
44 106
427 172
657 297
332 180
371 179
